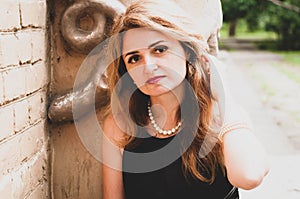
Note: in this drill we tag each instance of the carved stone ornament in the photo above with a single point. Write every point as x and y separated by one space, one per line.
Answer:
98 14
83 26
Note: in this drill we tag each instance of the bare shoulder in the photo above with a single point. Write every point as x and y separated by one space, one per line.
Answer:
112 129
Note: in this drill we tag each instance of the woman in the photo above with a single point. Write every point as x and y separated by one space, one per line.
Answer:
172 128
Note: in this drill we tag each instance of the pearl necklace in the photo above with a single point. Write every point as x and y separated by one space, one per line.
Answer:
157 128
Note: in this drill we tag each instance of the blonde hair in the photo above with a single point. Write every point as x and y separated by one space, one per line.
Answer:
167 17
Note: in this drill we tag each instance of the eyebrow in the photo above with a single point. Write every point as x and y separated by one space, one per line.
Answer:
150 46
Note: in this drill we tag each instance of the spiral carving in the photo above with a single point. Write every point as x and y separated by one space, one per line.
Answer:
84 24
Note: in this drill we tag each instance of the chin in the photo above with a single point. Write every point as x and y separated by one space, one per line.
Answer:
156 89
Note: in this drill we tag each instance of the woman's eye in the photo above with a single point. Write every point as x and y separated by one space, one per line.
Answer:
133 59
160 49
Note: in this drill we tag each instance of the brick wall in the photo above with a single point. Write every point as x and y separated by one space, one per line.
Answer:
23 88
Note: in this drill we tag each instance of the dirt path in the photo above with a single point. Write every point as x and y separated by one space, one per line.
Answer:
271 98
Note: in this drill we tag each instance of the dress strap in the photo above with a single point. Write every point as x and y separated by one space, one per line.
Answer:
231 193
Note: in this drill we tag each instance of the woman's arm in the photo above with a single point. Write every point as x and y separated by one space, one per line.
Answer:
112 161
112 183
245 158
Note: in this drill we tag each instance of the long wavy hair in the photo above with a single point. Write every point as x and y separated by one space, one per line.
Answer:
167 17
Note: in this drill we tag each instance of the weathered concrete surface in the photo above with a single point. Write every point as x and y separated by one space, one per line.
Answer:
74 171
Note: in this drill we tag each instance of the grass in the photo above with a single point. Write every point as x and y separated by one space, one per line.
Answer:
266 41
289 66
262 39
292 68
243 33
296 116
269 92
292 75
291 57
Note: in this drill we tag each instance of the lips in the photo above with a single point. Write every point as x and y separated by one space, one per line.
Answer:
155 79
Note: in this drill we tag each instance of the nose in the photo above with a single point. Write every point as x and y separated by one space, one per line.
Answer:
149 64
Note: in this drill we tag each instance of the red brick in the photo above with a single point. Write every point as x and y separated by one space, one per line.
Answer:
29 176
36 18
21 118
36 77
6 122
1 89
21 147
24 46
14 83
9 15
6 187
8 49
37 107
38 42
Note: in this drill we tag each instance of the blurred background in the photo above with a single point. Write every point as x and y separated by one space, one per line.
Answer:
260 42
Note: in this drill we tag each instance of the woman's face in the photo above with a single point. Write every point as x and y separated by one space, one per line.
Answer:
155 62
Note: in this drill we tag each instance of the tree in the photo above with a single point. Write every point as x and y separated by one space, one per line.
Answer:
233 10
279 16
286 24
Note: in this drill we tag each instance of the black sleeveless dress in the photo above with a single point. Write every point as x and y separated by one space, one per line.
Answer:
169 182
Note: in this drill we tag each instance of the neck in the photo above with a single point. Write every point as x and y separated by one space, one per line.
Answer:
169 104
164 107
169 100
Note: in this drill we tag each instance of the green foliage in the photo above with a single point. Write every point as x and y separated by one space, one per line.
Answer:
256 17
243 32
236 9
233 10
286 24
265 15
291 57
